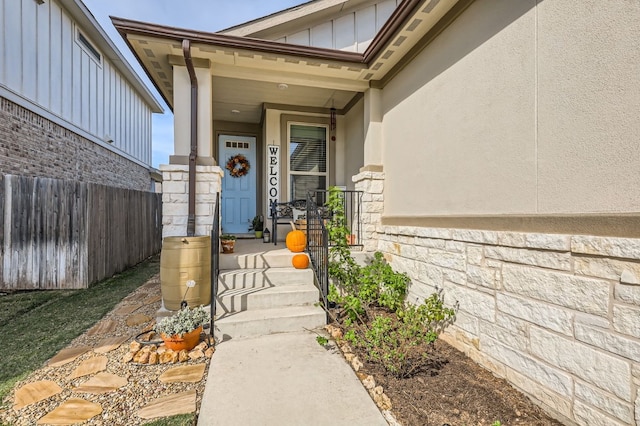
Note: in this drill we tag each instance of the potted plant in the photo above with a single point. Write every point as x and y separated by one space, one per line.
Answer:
227 241
182 330
256 226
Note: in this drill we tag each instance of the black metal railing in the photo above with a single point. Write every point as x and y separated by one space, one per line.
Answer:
352 207
318 246
215 261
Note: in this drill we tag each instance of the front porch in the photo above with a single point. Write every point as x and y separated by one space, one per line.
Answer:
259 292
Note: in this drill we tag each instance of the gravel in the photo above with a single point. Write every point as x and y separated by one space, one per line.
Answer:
120 406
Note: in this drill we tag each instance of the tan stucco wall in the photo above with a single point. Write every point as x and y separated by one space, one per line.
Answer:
182 112
519 107
354 142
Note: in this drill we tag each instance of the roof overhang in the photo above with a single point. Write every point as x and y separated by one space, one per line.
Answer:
344 74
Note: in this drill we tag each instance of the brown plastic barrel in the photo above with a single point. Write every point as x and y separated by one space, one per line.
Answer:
184 259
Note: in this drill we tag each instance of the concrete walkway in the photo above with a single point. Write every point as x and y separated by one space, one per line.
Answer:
284 379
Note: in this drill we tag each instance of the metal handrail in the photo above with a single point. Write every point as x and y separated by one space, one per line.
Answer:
352 207
318 247
215 260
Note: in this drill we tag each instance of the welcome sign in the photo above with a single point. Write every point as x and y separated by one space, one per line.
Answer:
273 174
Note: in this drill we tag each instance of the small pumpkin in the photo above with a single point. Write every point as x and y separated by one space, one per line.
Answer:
300 261
296 241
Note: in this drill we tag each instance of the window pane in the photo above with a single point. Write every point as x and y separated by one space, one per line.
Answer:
301 184
308 149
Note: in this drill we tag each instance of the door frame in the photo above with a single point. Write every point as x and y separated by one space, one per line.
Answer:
240 129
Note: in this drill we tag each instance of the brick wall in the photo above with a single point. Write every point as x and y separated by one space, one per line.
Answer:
31 145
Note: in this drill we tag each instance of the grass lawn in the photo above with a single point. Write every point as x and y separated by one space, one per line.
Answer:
179 420
36 325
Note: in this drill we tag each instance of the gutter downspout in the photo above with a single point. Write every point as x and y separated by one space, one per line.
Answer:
191 220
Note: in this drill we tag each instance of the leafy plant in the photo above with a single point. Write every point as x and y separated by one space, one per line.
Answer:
398 341
322 341
186 320
342 267
228 237
257 223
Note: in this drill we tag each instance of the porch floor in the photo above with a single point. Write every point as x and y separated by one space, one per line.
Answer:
253 246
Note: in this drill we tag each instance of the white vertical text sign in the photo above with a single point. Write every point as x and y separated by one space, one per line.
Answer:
273 174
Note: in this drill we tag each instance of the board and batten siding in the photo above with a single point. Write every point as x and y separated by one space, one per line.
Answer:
352 31
42 62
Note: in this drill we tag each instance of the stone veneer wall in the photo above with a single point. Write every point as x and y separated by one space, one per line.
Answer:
31 145
372 185
175 198
558 316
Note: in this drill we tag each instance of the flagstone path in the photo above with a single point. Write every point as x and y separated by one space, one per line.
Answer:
89 382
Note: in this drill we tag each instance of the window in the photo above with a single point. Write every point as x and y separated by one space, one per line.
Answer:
239 145
87 46
307 159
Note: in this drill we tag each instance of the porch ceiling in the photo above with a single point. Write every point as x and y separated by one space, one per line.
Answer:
248 97
246 71
244 81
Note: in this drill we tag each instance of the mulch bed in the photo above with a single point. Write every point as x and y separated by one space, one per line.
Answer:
454 390
450 389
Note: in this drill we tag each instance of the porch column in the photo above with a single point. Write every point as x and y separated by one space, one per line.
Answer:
182 114
175 175
373 127
370 180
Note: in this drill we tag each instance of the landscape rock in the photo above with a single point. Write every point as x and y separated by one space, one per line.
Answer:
382 401
141 357
196 354
369 382
135 346
209 352
183 356
356 364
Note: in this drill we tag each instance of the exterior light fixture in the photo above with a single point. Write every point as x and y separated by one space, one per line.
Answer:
266 236
333 119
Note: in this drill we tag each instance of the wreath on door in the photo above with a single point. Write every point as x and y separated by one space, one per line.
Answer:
238 166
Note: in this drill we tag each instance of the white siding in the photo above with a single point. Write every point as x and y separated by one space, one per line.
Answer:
41 61
351 31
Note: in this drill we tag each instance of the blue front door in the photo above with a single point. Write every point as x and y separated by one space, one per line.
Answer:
238 205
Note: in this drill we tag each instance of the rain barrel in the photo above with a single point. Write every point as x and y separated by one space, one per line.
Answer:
184 259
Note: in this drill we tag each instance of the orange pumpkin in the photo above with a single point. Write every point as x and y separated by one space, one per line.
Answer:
296 241
300 261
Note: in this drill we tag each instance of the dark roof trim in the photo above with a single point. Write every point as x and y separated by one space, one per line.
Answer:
395 22
390 28
125 26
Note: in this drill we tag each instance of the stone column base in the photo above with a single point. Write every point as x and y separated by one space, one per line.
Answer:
175 198
371 183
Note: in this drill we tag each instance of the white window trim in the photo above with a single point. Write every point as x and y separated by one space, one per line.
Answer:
326 174
85 49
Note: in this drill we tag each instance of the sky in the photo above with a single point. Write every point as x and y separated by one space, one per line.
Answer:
205 15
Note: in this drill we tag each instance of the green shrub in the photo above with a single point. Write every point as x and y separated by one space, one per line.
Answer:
372 299
400 342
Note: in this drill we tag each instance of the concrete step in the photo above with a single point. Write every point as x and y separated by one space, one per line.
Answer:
243 299
268 321
262 278
280 258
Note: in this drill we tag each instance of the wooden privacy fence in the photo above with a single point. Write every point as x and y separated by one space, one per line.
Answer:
58 234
